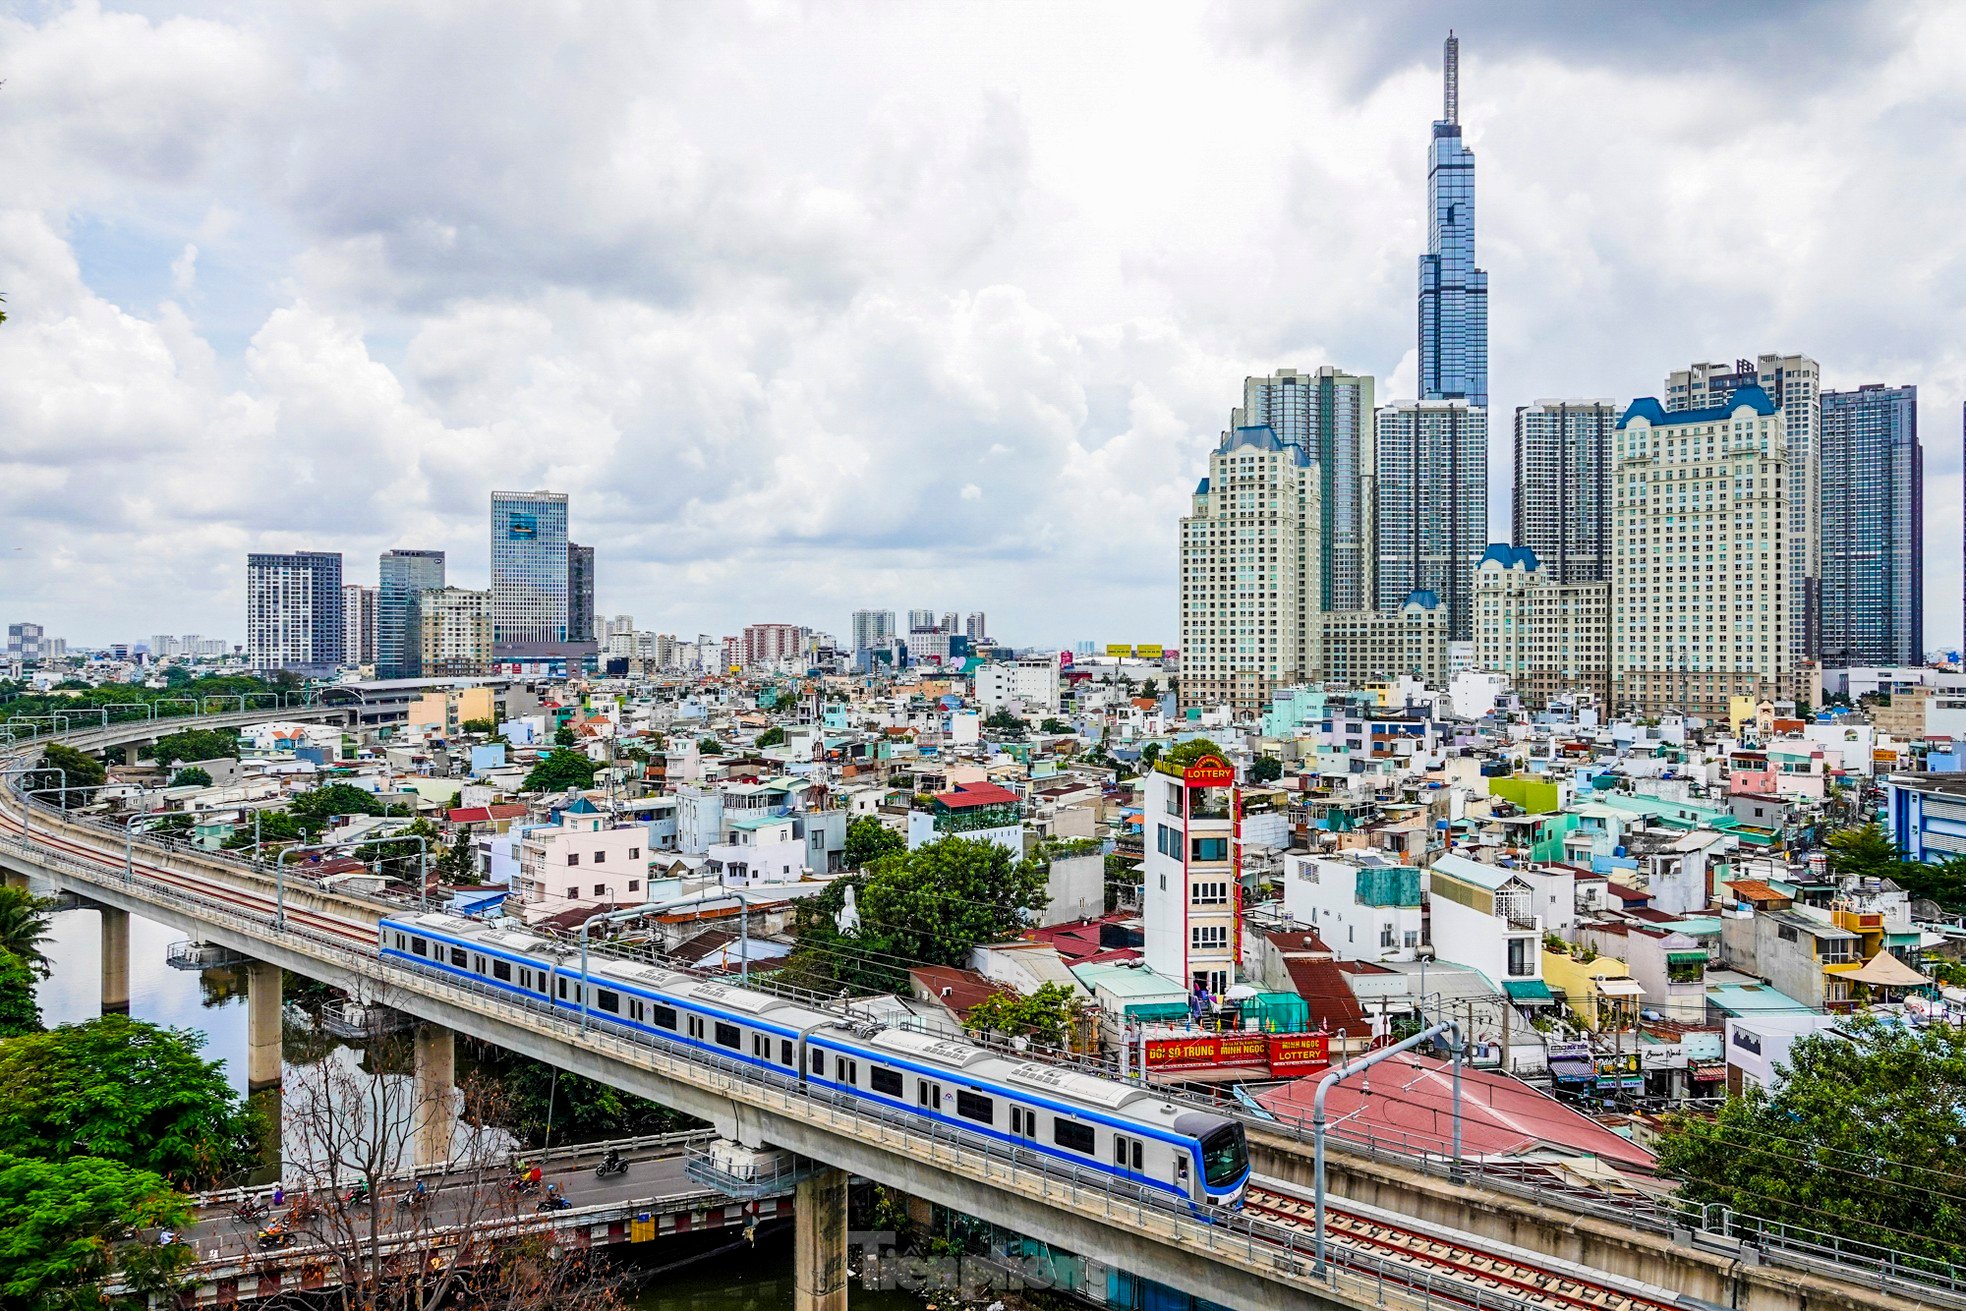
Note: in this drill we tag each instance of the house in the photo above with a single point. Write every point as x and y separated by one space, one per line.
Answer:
580 863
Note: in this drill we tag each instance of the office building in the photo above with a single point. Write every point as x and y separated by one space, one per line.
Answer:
580 593
1562 509
1329 414
1549 637
1700 587
531 577
1872 588
1431 505
1250 573
1453 292
401 577
920 619
294 612
28 644
1793 383
358 624
771 644
455 632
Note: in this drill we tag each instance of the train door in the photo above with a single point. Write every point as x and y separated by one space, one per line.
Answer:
1181 1173
928 1096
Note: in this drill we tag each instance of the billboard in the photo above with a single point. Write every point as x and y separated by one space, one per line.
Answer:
1209 772
1208 1051
1149 650
1119 650
1299 1053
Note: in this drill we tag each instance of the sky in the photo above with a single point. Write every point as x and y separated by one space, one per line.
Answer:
816 307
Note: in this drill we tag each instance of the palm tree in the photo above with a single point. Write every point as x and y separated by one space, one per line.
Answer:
24 926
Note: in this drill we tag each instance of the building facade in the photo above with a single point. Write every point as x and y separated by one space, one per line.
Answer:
402 577
531 611
1431 520
1453 292
976 626
358 624
28 643
1360 646
294 611
771 644
455 632
1700 590
1249 573
1548 637
1872 590
1329 415
1189 895
580 593
1562 508
872 629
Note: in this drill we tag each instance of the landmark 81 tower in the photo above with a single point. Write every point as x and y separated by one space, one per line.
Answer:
1453 292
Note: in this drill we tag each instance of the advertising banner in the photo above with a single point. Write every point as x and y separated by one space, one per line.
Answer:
1208 1051
1299 1053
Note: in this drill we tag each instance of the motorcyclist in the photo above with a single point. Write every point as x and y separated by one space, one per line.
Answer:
612 1161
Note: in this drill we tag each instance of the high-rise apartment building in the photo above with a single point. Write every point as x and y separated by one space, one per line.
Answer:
1562 509
1550 637
918 619
1700 560
358 624
28 643
294 611
976 627
1250 573
402 577
768 644
455 632
1431 505
532 612
1872 590
580 593
1794 384
1453 292
1329 414
1407 641
871 629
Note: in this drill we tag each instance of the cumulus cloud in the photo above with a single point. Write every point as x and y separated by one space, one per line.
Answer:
813 309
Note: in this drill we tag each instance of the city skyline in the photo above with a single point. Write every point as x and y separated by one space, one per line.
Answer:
202 364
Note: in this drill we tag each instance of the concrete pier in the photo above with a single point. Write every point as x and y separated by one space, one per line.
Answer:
115 961
819 1243
263 998
436 1079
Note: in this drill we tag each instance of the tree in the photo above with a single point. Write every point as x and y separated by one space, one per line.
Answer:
1150 689
545 1106
1149 754
786 703
564 736
1050 1016
18 1012
196 744
1861 1139
1002 723
709 746
459 861
867 840
395 858
771 737
25 923
1266 769
1943 883
1184 754
480 727
127 1091
1866 852
81 773
1053 724
317 807
558 771
191 777
59 1221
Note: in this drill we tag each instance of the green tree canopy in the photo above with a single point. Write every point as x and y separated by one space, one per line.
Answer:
1053 724
191 777
18 1012
709 746
1861 1139
1049 1016
58 1223
575 1108
1187 753
25 923
127 1091
558 771
1865 852
316 807
480 726
196 744
64 764
1003 722
1266 769
867 840
771 737
563 736
395 857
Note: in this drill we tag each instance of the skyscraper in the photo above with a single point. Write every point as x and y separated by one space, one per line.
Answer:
529 574
402 577
1562 511
1872 594
357 624
455 632
1329 414
294 611
976 626
919 619
1431 505
580 593
1453 292
871 629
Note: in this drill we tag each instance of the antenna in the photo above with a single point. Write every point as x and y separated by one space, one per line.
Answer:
1451 68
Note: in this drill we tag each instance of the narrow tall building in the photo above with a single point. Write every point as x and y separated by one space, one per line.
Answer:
531 611
580 593
1700 523
357 624
455 632
1329 415
1453 292
402 577
1250 572
1794 384
1873 528
872 629
1562 508
294 612
1431 520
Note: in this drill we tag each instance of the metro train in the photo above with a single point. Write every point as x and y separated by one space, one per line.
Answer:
1094 1124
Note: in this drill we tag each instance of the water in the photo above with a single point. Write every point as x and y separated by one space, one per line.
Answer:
757 1279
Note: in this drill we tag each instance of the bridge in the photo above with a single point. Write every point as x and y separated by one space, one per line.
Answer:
1395 1232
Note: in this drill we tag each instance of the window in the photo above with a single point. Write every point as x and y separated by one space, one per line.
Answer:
1168 841
785 1051
696 1026
573 858
419 947
818 1061
1023 1123
929 1095
662 1017
884 1080
1210 848
562 988
608 1000
573 894
727 1036
1072 1135
1126 1152
600 889
1211 894
634 885
600 858
846 1070
502 970
457 957
1210 937
634 853
973 1106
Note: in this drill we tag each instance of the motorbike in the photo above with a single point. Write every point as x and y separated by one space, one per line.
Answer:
249 1209
411 1200
275 1235
555 1202
609 1168
357 1197
525 1184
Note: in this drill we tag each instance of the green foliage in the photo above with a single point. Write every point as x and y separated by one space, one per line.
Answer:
18 1012
1861 1140
1266 769
786 703
1866 852
1049 1016
196 744
1187 753
394 857
1150 688
191 777
58 1222
564 736
128 701
1053 724
25 921
709 746
771 737
63 764
558 771
315 808
275 827
479 726
127 1091
1149 754
459 862
578 1109
1003 723
867 840
1943 883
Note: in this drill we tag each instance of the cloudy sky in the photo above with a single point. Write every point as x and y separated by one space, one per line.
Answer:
818 306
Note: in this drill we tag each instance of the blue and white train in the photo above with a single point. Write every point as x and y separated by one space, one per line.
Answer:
1091 1123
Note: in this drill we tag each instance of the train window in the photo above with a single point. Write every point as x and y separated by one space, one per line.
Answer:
885 1080
457 957
608 1000
563 989
761 1046
399 941
419 946
929 1095
785 1052
477 963
818 1061
636 1011
662 1017
502 970
728 1036
1072 1135
973 1106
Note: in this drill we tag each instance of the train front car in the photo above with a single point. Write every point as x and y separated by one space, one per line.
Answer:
1223 1156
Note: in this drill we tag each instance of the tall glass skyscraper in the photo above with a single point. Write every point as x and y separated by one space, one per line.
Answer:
1873 528
529 573
1562 508
580 593
401 578
1453 292
1431 509
1328 415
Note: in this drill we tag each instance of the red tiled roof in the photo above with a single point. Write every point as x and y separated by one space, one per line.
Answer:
484 814
959 990
1330 999
1625 892
967 795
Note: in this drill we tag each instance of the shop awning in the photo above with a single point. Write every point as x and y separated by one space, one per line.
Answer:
1621 987
1532 991
1573 1071
1709 1071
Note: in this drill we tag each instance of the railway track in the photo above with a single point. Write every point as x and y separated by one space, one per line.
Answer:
1480 1269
